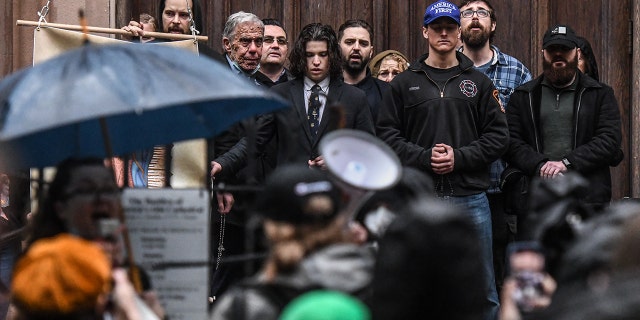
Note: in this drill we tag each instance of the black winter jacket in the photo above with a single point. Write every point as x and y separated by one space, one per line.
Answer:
596 134
466 114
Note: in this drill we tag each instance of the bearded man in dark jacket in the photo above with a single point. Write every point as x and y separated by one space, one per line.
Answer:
565 121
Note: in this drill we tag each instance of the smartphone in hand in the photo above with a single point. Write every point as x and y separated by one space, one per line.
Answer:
526 263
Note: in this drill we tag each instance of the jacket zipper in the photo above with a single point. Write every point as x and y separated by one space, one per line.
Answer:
575 128
445 83
533 120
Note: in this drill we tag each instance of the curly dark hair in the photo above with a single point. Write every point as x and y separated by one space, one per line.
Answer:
315 32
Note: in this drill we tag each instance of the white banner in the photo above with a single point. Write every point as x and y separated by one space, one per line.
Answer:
172 226
189 165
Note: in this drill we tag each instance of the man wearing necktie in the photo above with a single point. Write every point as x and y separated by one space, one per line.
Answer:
313 110
314 62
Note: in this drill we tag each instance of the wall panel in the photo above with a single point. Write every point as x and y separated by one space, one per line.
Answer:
397 25
512 29
6 39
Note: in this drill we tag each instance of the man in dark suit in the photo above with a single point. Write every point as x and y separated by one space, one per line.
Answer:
320 102
356 47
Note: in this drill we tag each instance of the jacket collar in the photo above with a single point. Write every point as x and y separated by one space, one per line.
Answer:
465 63
498 56
583 82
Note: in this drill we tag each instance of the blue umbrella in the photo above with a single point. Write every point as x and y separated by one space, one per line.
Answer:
104 100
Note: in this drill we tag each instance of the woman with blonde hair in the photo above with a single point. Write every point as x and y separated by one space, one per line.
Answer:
386 65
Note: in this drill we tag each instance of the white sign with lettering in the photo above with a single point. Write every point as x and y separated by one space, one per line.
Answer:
171 227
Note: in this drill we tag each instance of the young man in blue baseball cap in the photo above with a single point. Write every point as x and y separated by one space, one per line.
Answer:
445 118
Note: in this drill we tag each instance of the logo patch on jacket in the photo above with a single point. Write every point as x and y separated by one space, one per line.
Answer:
496 95
469 88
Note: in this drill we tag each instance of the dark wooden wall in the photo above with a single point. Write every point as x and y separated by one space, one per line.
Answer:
397 25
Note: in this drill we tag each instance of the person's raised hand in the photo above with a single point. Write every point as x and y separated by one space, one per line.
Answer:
134 28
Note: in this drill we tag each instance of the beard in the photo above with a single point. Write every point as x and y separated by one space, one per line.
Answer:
355 67
475 40
560 77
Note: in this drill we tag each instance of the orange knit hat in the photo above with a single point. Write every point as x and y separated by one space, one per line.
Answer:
61 275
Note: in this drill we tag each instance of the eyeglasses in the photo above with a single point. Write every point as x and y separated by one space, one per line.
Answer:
246 42
281 41
482 13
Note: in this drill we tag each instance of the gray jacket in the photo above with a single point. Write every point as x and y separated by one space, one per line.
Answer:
343 267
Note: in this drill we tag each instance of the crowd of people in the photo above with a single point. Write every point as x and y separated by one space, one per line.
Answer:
503 210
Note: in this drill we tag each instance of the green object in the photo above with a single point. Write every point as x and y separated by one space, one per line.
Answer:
325 305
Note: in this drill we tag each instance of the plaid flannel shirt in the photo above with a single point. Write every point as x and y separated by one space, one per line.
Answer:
507 73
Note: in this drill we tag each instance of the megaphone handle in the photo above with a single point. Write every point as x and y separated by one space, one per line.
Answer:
354 205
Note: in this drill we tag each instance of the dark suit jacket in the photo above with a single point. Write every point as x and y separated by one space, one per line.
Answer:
346 107
262 163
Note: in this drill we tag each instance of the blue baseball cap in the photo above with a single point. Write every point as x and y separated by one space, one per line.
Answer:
441 9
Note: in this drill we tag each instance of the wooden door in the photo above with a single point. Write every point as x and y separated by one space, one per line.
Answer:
397 25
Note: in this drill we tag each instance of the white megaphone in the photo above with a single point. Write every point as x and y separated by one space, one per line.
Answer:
360 161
